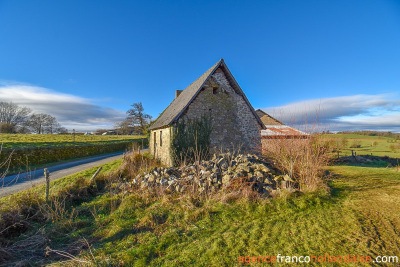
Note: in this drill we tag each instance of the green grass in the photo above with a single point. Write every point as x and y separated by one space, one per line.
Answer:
375 145
26 141
360 216
217 234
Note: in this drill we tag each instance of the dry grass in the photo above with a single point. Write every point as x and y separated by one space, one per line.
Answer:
303 160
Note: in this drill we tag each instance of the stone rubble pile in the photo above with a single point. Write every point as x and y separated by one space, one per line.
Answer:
220 172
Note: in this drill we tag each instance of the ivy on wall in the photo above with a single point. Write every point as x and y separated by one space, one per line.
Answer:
190 139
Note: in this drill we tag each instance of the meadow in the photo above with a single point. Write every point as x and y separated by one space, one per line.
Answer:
28 141
366 145
357 215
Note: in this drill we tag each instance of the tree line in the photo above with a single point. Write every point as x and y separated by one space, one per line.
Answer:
20 119
373 133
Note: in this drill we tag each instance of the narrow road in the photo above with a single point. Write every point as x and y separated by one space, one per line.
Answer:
22 181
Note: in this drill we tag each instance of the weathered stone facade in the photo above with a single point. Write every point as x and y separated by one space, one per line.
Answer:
160 145
235 125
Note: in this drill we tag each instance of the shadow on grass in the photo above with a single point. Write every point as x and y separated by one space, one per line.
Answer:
339 191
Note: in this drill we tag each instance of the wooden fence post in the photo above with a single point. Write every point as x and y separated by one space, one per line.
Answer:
47 177
95 174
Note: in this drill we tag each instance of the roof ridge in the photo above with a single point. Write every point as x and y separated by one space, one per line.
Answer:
180 103
186 97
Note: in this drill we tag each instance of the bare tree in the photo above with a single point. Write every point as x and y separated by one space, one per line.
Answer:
123 127
43 123
12 117
137 117
61 130
51 125
37 122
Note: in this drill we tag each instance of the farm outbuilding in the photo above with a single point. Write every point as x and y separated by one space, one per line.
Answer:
276 130
218 104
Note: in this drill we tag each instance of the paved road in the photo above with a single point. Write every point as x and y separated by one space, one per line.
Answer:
19 182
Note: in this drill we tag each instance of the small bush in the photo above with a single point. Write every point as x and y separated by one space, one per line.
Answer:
355 144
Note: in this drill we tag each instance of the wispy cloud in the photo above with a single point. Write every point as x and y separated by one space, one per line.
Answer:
357 112
71 111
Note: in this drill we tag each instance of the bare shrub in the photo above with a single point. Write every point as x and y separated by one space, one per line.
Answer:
135 163
302 159
57 210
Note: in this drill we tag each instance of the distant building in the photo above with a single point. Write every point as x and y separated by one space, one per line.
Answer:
274 129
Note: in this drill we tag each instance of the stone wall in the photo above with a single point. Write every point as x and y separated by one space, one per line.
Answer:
234 124
162 148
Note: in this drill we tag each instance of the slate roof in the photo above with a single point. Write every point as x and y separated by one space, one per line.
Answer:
267 119
180 104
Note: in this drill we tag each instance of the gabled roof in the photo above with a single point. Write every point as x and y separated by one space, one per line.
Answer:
186 97
267 119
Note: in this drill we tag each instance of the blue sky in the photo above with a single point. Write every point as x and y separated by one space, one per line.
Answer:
85 62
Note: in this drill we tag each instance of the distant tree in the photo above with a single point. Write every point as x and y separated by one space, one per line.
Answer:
44 123
123 127
12 117
61 130
37 122
137 117
51 125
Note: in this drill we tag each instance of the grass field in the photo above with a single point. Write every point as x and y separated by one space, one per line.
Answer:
375 145
359 216
26 141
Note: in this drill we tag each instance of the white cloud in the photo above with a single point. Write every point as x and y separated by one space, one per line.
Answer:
357 112
71 111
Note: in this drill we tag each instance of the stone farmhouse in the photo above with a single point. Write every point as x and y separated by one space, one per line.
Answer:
216 94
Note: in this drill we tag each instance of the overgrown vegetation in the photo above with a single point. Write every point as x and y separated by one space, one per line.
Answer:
191 140
303 160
